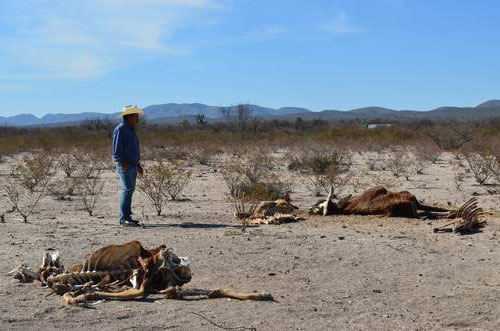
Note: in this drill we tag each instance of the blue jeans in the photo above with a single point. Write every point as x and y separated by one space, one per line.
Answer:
127 181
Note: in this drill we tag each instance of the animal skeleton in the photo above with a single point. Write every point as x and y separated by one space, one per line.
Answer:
468 219
274 212
123 272
379 201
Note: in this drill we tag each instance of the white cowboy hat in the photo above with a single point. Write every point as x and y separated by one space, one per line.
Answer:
131 109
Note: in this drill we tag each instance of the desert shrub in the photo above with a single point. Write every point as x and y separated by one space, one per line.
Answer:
61 189
205 156
34 170
295 161
244 205
153 183
174 153
252 177
158 152
238 118
89 164
102 127
68 163
324 169
496 173
495 164
253 165
481 163
254 173
331 171
271 190
24 201
178 177
234 181
399 163
28 182
375 159
451 136
428 153
419 162
89 191
318 161
459 175
162 181
331 179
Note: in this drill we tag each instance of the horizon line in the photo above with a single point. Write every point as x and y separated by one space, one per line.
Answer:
252 104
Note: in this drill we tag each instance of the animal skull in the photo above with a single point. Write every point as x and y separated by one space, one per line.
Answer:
24 273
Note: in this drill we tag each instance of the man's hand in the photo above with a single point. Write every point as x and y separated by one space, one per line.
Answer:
140 170
125 165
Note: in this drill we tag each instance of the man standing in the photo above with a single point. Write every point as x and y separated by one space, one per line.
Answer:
126 154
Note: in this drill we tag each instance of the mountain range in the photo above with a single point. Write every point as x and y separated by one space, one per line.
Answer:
175 113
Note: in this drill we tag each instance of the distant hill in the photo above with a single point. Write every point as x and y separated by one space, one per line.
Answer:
373 111
20 120
489 104
60 118
292 110
175 113
176 110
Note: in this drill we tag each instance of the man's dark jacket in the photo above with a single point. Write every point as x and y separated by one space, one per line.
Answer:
125 144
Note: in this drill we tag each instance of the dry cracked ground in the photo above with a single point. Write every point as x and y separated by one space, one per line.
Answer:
325 273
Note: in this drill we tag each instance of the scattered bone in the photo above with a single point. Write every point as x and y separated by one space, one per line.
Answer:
269 208
274 212
201 294
276 219
50 267
24 273
468 219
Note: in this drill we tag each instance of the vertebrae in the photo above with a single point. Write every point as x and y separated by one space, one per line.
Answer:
80 278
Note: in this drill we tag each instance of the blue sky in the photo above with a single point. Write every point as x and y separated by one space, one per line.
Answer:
63 56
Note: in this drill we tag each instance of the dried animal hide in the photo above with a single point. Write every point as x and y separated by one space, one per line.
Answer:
123 272
379 201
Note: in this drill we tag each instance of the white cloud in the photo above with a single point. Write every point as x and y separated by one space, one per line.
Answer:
85 39
341 24
63 31
263 33
81 66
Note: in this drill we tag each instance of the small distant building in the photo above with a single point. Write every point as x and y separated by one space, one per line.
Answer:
377 125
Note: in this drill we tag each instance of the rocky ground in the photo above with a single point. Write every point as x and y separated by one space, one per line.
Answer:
325 273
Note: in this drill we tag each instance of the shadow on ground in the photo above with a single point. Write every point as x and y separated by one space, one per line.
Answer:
192 225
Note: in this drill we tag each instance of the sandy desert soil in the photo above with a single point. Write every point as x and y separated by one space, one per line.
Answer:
325 273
